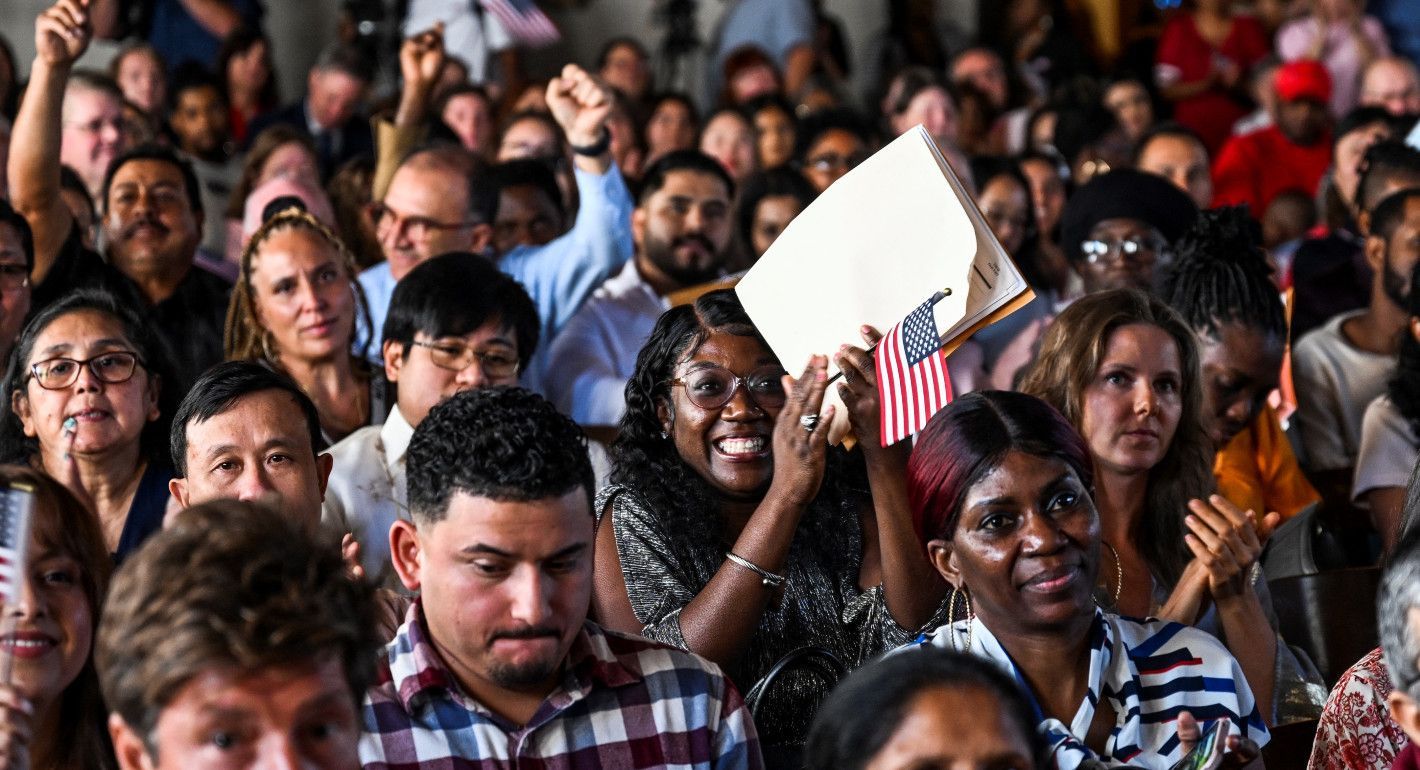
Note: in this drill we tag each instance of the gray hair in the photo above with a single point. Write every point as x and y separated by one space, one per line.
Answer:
1399 595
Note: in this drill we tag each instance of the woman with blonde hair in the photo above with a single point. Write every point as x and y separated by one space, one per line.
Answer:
297 308
1123 368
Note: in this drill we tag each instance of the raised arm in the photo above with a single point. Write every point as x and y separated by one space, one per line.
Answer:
216 16
912 589
62 33
421 59
720 620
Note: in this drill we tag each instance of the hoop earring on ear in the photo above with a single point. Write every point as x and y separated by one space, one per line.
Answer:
952 614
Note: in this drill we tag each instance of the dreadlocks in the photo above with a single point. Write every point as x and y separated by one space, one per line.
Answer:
1220 275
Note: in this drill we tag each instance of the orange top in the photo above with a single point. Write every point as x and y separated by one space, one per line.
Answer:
1257 470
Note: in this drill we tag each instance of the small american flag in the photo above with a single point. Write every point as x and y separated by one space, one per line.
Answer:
524 21
912 374
15 505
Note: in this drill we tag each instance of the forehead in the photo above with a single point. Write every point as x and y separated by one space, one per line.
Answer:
1240 346
426 190
78 328
1144 345
201 95
735 352
726 122
10 238
529 528
466 101
147 171
90 102
1167 148
256 418
1003 187
529 130
693 184
836 140
293 244
492 330
944 726
1018 475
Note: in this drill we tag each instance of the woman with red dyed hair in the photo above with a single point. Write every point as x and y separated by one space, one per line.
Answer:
1001 483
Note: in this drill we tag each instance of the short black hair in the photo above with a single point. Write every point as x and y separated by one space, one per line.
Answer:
1390 212
1361 117
162 154
1167 128
1383 162
813 127
531 172
862 713
220 387
191 76
621 41
454 294
682 160
9 216
506 444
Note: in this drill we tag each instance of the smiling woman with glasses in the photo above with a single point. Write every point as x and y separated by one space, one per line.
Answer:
84 403
735 531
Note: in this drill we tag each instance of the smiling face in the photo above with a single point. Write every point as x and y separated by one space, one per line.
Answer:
302 295
296 715
682 231
109 416
53 629
730 447
1241 366
149 222
504 585
1026 545
1132 407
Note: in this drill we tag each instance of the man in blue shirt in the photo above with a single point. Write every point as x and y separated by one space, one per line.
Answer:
438 201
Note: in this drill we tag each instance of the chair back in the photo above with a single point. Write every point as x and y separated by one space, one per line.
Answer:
1331 615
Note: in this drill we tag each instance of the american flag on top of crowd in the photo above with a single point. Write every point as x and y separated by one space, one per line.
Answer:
524 21
912 374
15 505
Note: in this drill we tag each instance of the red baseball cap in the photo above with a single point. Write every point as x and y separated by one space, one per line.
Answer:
1303 79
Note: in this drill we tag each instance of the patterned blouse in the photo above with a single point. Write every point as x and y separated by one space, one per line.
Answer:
667 558
1355 731
1148 671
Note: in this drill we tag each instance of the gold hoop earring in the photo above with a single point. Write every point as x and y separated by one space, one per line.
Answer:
952 616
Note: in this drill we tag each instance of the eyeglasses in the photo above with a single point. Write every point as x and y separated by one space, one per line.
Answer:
113 367
417 228
13 277
714 386
1135 248
826 163
456 358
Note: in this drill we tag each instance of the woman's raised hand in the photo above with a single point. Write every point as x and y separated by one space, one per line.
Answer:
1226 541
859 389
800 453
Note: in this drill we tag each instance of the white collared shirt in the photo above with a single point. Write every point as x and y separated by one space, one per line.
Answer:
367 493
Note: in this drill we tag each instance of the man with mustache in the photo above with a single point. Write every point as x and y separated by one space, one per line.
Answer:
497 664
682 229
151 209
1339 368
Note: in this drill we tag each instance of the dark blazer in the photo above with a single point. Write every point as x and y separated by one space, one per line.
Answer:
354 135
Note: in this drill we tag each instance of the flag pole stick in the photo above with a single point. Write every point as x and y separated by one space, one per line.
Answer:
938 297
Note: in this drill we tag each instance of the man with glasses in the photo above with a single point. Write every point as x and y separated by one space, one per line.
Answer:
441 200
683 232
455 323
1116 230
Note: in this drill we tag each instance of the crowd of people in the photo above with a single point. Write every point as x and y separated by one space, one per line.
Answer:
418 424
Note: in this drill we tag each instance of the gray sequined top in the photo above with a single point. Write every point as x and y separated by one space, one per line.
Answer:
667 557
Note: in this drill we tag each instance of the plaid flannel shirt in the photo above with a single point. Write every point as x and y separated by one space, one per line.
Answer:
624 702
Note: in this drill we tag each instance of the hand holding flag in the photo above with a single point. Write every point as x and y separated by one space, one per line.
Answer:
912 373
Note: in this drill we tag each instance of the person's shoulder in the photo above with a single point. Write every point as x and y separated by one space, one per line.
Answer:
647 658
1151 640
1324 338
355 445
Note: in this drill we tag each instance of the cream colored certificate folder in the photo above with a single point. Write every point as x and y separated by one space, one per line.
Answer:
869 250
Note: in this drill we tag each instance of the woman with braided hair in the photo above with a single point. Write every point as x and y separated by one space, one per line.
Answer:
1221 284
295 309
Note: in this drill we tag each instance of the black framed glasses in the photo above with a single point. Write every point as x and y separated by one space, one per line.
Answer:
113 367
416 227
456 358
713 386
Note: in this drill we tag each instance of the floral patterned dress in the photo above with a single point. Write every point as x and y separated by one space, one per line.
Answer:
1355 731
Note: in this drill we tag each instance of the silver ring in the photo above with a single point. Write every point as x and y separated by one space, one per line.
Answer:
809 421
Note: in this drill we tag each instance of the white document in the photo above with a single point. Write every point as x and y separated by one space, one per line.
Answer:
869 250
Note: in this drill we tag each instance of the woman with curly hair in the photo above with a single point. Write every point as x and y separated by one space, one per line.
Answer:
1123 369
1221 284
52 713
736 532
296 308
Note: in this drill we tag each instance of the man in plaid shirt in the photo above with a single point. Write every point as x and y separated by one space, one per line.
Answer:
496 664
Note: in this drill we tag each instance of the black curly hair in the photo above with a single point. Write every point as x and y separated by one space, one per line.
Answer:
500 443
645 460
1220 275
